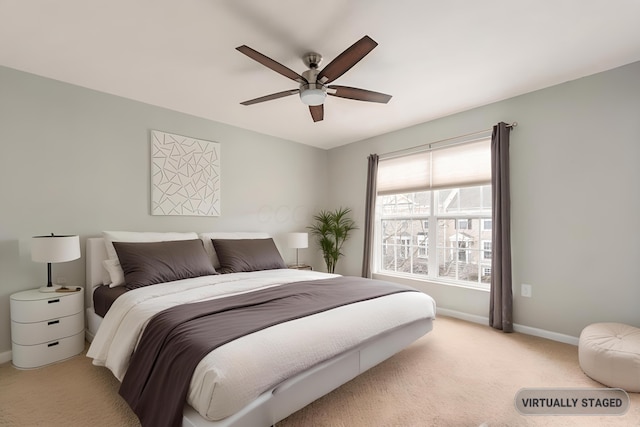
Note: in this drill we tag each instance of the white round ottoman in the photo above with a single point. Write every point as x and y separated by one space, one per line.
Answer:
610 354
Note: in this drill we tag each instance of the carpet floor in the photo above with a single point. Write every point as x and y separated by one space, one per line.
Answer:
460 374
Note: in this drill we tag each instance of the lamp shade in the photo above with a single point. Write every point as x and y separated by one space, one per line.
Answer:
55 248
298 240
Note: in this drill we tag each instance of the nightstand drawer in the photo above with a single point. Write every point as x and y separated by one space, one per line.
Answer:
39 332
33 356
45 306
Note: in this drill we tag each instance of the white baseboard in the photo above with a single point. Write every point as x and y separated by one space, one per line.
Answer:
463 316
5 357
554 336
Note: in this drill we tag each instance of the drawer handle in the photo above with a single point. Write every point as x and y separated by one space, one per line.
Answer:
51 301
53 322
53 343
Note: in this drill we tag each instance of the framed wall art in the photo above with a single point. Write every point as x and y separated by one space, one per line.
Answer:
185 175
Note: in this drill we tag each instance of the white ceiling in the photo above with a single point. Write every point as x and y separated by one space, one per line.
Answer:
435 57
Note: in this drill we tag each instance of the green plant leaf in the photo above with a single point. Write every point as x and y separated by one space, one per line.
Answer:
332 229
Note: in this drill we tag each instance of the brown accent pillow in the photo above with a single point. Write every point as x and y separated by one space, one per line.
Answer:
150 263
244 255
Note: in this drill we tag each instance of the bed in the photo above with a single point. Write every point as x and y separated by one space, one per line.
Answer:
262 377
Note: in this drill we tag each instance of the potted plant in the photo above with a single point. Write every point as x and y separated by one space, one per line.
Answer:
332 229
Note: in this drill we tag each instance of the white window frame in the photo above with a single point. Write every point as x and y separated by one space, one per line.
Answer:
461 259
474 254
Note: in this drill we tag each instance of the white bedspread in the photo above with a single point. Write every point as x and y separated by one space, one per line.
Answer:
238 372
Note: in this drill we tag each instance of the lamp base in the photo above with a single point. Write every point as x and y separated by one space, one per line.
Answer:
49 288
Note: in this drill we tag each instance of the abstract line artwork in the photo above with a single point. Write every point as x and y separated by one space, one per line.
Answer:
185 175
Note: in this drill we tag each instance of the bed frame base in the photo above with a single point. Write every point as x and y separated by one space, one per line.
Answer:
302 389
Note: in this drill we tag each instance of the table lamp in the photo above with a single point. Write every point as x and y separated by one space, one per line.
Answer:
51 249
298 241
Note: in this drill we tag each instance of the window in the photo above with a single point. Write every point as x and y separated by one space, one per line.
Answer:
405 246
436 224
462 252
422 242
464 224
486 249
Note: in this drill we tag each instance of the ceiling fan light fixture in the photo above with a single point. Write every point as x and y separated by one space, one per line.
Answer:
313 94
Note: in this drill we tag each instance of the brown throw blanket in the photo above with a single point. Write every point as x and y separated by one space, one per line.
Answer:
175 340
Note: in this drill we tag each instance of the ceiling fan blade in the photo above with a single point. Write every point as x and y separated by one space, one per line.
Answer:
270 97
317 112
270 63
347 59
359 94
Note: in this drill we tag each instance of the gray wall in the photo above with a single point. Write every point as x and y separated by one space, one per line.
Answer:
575 174
77 161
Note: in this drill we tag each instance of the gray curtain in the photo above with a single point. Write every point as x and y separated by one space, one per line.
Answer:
369 215
501 297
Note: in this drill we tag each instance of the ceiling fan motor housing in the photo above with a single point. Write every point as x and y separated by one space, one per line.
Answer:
312 60
312 92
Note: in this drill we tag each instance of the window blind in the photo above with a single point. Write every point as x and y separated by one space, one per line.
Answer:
454 166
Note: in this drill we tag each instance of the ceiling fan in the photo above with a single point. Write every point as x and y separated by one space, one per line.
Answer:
314 86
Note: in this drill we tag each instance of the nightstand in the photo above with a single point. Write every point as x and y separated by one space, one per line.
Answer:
46 327
300 267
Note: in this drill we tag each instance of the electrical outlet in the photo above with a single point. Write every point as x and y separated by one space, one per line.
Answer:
525 290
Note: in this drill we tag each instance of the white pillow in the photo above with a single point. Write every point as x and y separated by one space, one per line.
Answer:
106 277
208 246
116 273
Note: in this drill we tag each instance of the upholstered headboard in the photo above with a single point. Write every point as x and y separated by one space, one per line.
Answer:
96 253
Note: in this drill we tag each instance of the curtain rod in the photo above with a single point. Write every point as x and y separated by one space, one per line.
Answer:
430 144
